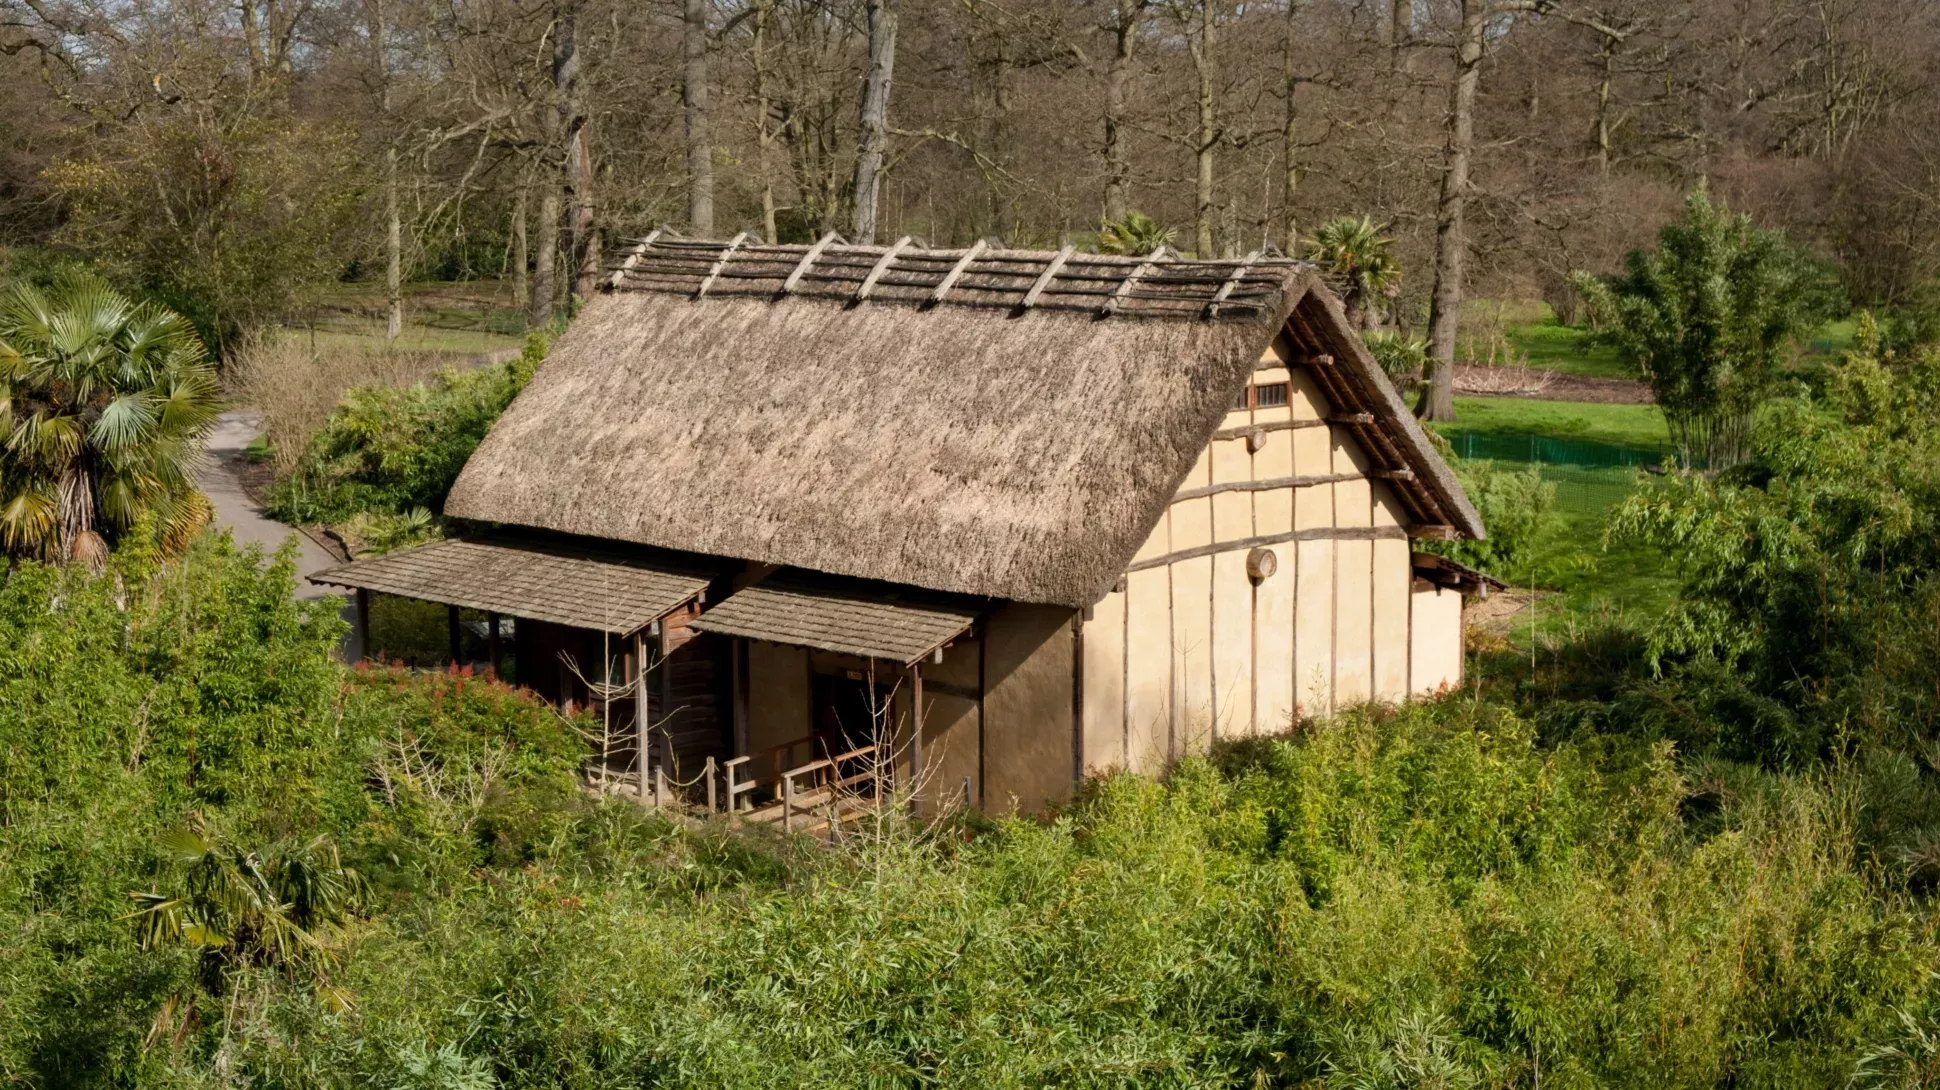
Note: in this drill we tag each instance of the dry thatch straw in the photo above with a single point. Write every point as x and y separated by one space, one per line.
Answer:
992 444
296 388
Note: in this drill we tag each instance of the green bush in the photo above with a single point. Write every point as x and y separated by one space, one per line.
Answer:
1425 896
391 450
1517 508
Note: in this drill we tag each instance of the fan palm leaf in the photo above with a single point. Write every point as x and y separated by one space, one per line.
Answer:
103 406
1359 259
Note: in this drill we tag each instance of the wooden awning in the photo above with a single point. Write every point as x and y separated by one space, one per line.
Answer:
851 617
1440 571
614 590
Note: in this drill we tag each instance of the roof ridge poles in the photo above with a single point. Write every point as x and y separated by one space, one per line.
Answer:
633 258
794 280
1125 286
1239 272
1044 278
957 270
727 255
882 266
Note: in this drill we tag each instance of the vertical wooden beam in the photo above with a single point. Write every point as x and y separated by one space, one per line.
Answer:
493 648
362 625
916 738
739 656
666 675
1077 700
451 631
641 724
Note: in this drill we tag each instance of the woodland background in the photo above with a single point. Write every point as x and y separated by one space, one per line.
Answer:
232 157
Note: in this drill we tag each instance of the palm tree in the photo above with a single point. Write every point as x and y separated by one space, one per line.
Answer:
103 405
1133 233
1359 259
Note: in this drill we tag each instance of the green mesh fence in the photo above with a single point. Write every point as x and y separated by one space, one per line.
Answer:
1589 477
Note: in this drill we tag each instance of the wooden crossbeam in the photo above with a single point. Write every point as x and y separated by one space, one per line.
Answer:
1233 281
882 266
794 280
1124 291
957 270
632 259
727 255
1050 273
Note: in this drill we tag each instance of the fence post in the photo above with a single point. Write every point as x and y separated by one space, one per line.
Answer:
787 802
708 774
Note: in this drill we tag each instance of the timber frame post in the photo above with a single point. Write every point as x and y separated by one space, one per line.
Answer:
453 633
916 739
640 713
361 626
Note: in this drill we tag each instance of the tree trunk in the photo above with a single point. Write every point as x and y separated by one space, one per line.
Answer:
393 229
545 258
1290 136
1206 137
700 147
1608 56
875 118
252 30
393 250
521 284
1118 172
582 254
1451 236
764 131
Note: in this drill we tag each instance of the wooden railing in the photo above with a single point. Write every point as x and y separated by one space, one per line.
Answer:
816 796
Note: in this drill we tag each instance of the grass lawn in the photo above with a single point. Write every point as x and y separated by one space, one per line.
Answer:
1637 425
414 338
468 318
1504 331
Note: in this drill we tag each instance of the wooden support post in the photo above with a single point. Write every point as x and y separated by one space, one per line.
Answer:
640 712
707 773
363 624
659 785
787 803
739 655
493 649
451 631
916 738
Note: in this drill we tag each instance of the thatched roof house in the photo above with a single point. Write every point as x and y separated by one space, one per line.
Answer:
1009 440
964 435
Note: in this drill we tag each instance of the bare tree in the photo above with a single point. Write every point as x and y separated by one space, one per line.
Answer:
875 118
582 252
1451 236
393 225
700 147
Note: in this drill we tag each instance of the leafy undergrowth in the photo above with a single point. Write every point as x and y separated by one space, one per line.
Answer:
1429 897
391 451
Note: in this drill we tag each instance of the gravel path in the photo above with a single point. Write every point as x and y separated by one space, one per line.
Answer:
221 481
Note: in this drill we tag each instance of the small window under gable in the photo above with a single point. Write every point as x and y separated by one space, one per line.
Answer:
1267 396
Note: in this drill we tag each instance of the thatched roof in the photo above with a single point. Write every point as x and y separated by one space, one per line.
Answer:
992 422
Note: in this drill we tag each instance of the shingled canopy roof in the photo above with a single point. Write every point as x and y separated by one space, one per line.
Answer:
984 421
607 588
853 617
